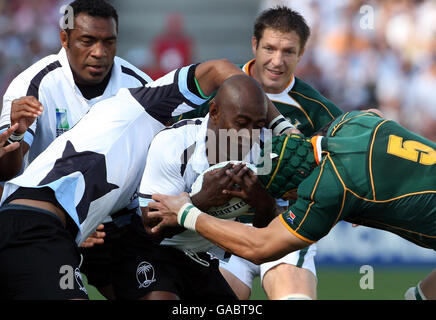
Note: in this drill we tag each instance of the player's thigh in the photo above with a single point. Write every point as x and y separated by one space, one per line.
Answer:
145 266
239 273
38 258
294 273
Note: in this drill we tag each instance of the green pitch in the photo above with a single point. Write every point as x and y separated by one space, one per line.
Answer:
342 283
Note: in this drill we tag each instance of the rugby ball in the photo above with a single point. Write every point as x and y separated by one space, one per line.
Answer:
235 206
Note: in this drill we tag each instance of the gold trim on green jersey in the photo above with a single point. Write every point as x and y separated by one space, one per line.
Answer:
293 231
340 123
299 107
378 201
311 196
317 101
278 163
370 157
399 228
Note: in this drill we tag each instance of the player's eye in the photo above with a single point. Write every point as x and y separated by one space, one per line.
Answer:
87 42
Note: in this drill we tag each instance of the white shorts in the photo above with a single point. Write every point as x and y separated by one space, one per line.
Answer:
246 271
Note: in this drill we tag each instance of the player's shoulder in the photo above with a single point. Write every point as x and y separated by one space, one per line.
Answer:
38 69
179 136
303 90
129 71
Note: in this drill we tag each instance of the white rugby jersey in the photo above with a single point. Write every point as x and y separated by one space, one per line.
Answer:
175 170
51 81
95 168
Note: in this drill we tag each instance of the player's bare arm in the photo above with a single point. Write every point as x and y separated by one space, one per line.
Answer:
211 74
258 245
24 111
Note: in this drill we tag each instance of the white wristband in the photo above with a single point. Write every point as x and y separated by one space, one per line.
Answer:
15 137
187 216
280 124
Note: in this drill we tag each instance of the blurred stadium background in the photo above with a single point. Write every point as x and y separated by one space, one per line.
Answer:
362 53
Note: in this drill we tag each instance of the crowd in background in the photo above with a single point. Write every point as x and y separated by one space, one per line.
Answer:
373 53
361 53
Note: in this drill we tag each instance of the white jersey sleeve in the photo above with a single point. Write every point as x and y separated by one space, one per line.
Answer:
95 168
162 173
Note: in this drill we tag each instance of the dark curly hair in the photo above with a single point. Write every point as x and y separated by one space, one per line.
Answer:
283 19
94 8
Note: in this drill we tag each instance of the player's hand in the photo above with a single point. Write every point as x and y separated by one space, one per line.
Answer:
211 193
4 137
165 209
149 223
96 238
250 189
24 111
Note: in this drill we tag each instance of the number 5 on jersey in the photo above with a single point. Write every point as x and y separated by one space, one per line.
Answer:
411 150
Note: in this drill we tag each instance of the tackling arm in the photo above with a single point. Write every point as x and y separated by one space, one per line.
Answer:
211 74
254 244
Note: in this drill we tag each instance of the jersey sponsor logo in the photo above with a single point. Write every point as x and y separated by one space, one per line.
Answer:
145 274
62 124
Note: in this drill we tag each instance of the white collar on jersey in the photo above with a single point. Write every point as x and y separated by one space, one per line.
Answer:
112 86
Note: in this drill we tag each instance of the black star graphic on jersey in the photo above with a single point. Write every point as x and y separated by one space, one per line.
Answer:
92 165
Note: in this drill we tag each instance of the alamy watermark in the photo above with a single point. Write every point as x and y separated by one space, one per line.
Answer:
67 19
243 144
70 278
367 280
366 21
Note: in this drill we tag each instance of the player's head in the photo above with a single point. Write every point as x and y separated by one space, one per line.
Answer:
279 38
92 42
239 106
293 160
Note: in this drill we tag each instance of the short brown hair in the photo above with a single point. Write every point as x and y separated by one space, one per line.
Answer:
283 19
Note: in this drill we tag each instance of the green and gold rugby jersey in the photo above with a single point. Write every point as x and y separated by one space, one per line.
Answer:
373 172
301 104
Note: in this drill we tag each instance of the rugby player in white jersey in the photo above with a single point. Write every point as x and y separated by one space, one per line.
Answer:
86 174
181 266
52 95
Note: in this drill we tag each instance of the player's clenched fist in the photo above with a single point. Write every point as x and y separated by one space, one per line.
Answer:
24 111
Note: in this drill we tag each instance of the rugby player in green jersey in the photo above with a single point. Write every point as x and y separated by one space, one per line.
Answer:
278 43
365 170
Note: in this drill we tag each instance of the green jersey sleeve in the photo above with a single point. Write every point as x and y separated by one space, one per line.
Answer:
319 205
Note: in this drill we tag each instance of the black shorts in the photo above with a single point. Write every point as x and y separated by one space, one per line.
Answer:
162 268
39 258
103 264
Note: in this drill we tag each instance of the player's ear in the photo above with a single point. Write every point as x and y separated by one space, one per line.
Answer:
214 111
63 35
254 45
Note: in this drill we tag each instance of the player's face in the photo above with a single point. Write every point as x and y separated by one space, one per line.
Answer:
241 127
91 48
277 55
